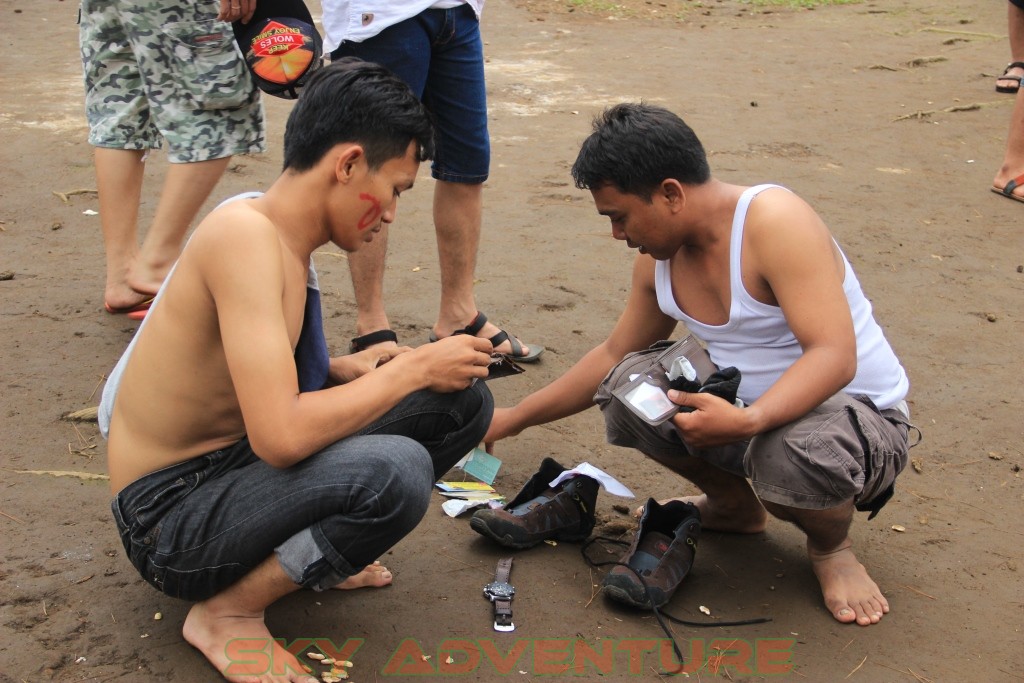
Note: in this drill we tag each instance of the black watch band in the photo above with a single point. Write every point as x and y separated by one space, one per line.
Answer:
500 592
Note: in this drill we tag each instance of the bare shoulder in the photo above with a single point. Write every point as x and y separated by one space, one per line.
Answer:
778 209
782 225
786 241
237 224
236 239
643 271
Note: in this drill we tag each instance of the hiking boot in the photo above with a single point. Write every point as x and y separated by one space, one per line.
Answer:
539 512
662 553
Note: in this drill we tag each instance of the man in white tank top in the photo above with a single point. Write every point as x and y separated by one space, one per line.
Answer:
756 275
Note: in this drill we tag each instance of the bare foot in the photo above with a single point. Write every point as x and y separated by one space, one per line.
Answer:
749 518
120 297
148 278
1003 82
849 592
1005 176
375 575
240 647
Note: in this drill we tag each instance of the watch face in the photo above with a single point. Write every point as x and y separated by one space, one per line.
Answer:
499 590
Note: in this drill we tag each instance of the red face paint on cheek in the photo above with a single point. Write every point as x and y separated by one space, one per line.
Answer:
372 213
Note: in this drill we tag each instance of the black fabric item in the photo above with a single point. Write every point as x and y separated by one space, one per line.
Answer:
724 384
312 359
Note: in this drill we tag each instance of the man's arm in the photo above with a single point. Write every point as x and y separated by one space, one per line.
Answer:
789 259
283 425
641 324
354 365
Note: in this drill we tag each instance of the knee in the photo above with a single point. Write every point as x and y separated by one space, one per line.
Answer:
470 411
483 405
476 404
375 475
405 474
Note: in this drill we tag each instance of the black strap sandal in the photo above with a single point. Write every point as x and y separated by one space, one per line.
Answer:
518 353
367 340
1007 77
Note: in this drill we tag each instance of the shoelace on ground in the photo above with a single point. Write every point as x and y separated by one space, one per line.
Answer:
658 614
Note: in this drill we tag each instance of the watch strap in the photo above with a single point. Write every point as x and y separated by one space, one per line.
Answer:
504 570
502 606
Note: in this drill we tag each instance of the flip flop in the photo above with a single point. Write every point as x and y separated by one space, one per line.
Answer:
1006 77
136 312
1012 184
517 354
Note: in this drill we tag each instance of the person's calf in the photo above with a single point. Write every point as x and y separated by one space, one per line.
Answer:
729 515
728 502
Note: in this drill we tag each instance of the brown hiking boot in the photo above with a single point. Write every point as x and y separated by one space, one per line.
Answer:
662 553
539 513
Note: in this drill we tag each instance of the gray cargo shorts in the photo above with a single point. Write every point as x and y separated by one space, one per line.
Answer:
167 70
845 449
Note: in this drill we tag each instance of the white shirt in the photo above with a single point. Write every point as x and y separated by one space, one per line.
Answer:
357 20
757 339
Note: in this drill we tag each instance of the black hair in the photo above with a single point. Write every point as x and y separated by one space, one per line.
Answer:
355 101
636 146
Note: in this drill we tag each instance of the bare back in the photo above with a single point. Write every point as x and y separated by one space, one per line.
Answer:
177 399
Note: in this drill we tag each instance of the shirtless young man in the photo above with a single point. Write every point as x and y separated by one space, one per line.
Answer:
756 275
247 464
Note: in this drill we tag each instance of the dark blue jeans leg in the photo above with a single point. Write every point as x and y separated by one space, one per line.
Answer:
195 528
448 425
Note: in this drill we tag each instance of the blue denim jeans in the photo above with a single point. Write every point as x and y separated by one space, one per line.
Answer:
440 55
195 528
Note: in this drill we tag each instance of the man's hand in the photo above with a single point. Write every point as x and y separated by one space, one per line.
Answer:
713 421
347 368
453 363
236 10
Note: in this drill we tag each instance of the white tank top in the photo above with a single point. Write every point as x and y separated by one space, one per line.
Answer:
757 340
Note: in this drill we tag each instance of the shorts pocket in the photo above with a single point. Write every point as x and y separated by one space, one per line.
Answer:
885 449
208 64
821 452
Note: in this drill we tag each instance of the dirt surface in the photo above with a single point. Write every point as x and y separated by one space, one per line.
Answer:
882 115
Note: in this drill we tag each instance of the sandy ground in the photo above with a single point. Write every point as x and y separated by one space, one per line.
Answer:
882 115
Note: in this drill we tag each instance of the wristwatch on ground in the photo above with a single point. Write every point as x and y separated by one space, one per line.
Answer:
500 592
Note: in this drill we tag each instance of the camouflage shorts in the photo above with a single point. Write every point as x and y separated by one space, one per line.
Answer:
167 70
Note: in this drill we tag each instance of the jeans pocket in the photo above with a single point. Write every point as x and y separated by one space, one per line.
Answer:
155 506
207 64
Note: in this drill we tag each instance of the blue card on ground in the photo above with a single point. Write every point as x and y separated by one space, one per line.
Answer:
481 465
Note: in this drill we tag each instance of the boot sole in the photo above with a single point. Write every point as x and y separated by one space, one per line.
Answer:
480 526
621 595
